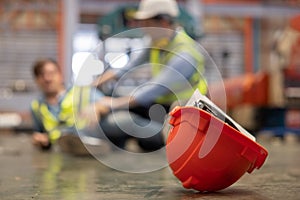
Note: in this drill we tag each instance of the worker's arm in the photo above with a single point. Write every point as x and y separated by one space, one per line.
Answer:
112 103
179 70
173 78
92 112
137 57
108 75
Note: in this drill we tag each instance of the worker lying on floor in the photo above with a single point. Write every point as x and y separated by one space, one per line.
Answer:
60 110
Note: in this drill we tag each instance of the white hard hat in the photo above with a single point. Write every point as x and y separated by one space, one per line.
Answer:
151 8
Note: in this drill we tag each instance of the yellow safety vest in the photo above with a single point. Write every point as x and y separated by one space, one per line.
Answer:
75 99
163 50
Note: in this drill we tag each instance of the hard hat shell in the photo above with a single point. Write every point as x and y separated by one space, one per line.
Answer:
151 8
230 156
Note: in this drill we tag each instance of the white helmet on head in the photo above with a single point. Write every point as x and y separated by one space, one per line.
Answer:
151 8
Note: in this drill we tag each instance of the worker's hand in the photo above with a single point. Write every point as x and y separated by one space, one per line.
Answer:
40 140
124 102
108 75
90 115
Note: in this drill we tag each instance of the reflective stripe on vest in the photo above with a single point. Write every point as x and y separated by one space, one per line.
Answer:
163 52
74 100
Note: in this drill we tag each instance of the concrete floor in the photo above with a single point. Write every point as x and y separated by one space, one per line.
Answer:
26 173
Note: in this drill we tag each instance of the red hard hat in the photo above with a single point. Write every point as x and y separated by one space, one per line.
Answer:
207 154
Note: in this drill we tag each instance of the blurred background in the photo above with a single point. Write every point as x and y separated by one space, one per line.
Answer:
254 43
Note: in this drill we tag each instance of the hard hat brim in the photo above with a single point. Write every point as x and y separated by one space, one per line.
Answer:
140 15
